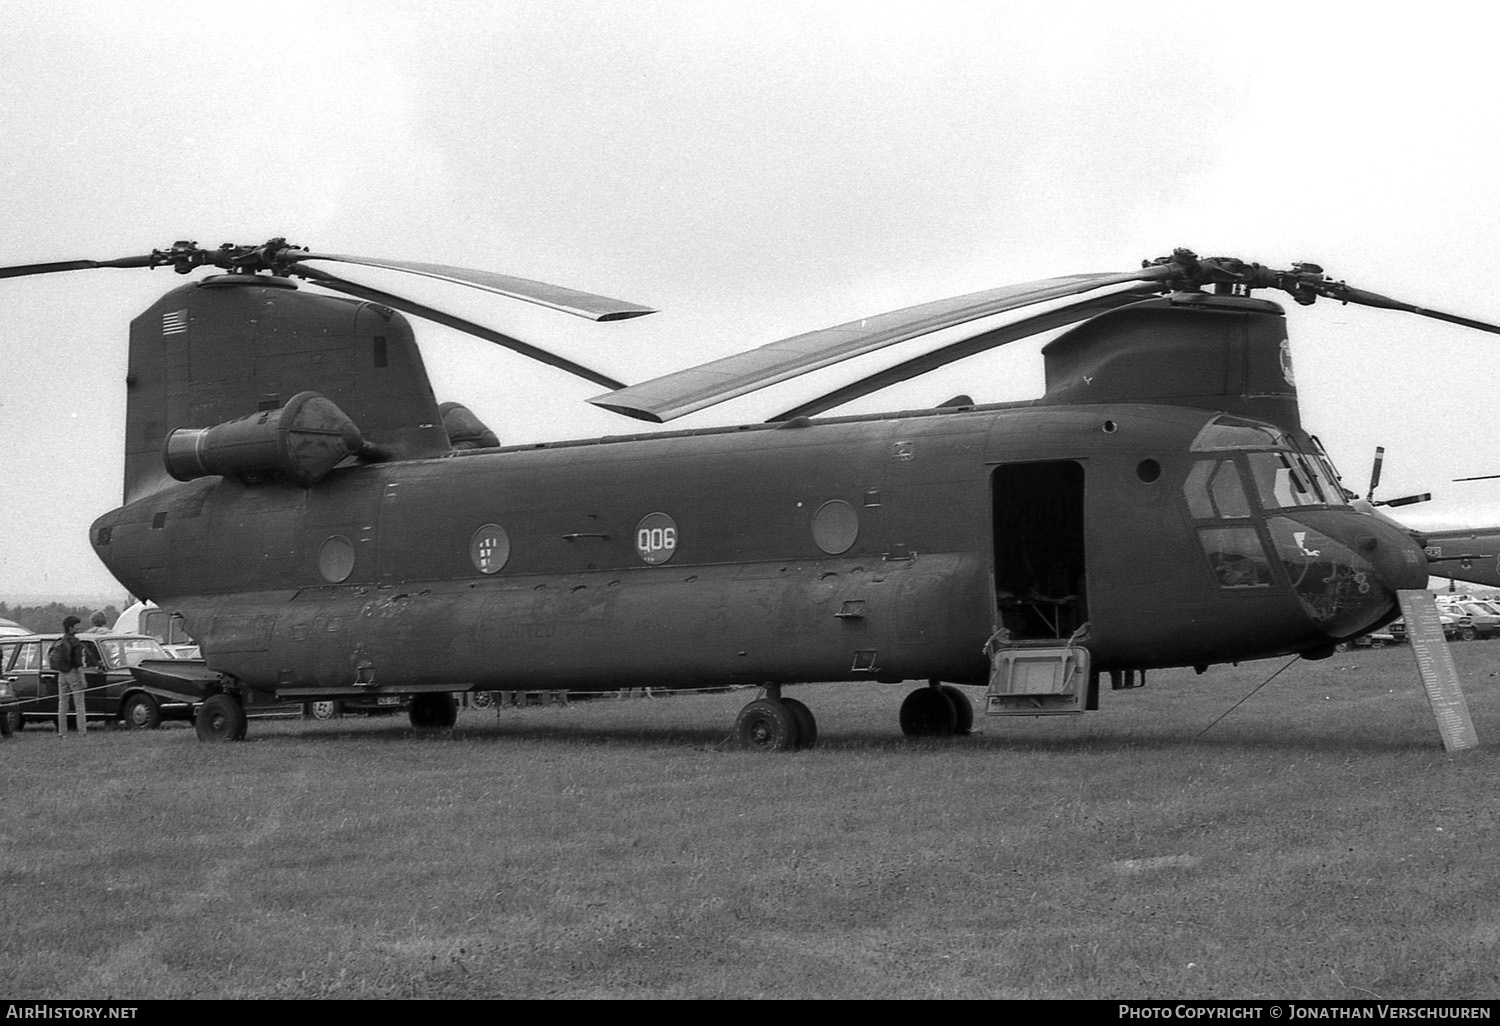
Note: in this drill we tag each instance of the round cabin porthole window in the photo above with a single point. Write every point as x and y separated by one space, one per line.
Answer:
489 549
336 559
835 526
656 538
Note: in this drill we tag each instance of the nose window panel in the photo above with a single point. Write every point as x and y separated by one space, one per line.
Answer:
1338 588
1236 557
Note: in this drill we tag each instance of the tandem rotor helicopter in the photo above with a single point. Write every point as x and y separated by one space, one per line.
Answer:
1470 554
326 528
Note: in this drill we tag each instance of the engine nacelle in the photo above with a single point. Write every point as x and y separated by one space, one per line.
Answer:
299 442
465 430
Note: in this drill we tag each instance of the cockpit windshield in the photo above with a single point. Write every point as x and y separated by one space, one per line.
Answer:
1284 476
1226 432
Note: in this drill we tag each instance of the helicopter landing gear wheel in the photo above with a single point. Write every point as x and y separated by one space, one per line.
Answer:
220 718
769 725
432 711
964 724
929 712
807 726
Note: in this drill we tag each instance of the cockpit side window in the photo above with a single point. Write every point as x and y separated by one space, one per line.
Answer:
1214 490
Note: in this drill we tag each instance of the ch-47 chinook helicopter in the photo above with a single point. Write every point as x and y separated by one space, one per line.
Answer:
326 528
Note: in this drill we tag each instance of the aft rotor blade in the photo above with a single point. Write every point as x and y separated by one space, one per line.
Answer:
1481 477
329 281
687 391
555 297
1036 324
22 270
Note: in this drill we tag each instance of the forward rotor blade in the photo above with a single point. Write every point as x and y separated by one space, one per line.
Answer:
1345 294
22 270
1481 477
687 391
555 297
1072 313
329 281
1375 472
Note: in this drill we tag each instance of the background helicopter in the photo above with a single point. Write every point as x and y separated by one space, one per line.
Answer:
326 528
1470 554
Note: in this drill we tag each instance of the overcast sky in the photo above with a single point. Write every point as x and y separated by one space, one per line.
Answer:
753 170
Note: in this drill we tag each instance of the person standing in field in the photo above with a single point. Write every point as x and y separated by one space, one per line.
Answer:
98 624
66 657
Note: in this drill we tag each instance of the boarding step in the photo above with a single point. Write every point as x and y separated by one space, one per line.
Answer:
1031 681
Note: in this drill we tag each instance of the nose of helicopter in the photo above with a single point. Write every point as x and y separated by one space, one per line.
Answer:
1346 567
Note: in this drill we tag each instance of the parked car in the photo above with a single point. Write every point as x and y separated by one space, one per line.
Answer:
11 629
1475 619
1375 639
111 691
1397 628
375 705
7 705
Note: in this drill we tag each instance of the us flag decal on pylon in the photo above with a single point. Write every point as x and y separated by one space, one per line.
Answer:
174 323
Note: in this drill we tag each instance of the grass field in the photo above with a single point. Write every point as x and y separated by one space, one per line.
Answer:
1317 843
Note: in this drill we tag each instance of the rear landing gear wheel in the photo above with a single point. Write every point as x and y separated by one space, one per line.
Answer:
220 718
432 711
767 725
928 712
963 707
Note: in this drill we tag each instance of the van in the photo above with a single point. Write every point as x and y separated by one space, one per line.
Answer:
167 628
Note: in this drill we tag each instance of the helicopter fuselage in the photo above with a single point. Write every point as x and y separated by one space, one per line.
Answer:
877 548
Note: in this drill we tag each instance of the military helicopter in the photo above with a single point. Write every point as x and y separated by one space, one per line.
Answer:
325 528
1459 554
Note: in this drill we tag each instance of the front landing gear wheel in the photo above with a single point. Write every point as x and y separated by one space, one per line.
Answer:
432 711
767 725
220 718
928 712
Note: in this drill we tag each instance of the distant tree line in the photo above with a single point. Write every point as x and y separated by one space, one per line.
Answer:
48 619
